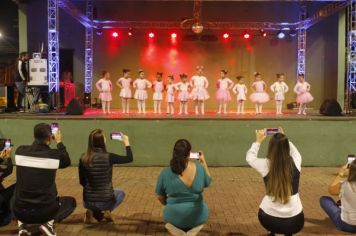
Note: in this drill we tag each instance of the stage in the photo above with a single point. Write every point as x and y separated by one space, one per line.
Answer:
323 141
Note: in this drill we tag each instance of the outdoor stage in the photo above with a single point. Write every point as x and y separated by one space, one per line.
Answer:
323 141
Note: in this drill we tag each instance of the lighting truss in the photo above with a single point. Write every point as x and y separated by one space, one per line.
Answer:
53 46
89 49
302 43
351 52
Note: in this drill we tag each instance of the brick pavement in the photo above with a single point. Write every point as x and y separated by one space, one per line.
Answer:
233 200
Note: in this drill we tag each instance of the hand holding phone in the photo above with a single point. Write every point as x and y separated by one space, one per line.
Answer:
116 136
350 159
195 155
272 131
8 144
54 128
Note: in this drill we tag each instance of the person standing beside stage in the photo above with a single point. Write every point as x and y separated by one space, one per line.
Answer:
279 88
104 86
180 189
36 199
95 175
281 210
125 83
199 92
141 96
22 76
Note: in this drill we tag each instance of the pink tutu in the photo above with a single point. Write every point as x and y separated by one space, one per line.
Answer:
105 96
126 93
141 94
223 95
170 97
261 97
183 96
200 94
304 98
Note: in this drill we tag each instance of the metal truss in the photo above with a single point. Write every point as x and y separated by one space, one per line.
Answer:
351 53
302 43
53 46
89 49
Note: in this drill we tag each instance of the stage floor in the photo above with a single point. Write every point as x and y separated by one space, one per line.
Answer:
96 114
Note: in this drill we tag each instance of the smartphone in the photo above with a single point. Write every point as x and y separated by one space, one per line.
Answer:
350 159
194 155
54 128
272 131
8 144
116 136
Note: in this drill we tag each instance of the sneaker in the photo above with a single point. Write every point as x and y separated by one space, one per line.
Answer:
48 230
23 231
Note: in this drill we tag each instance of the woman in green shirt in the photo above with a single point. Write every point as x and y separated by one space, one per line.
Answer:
180 187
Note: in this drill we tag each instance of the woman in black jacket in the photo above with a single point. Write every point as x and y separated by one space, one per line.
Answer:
95 173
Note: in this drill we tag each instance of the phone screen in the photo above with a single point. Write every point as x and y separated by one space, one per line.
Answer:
7 144
194 155
350 159
54 128
116 136
272 131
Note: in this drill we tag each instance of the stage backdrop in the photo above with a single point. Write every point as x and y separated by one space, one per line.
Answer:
265 55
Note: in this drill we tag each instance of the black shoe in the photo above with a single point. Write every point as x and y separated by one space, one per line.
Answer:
23 231
48 230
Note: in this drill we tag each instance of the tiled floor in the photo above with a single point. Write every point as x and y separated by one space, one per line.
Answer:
233 200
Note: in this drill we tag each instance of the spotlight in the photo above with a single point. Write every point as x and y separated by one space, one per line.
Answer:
281 35
151 35
247 35
226 35
292 33
99 32
130 32
115 34
0 35
263 33
173 35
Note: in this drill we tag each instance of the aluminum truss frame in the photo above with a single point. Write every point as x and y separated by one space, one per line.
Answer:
88 49
302 43
351 53
53 46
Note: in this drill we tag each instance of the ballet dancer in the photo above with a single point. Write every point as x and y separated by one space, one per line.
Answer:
279 88
171 88
158 88
141 84
183 96
259 96
104 86
125 84
240 90
199 93
302 89
223 95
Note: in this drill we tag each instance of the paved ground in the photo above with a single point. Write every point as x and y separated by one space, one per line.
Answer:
233 200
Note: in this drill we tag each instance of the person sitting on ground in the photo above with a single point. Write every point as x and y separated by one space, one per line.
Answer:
344 217
36 199
281 210
5 193
95 174
179 189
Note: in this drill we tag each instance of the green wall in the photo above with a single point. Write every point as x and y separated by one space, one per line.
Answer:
225 142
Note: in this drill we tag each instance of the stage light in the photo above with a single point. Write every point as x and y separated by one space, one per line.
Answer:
130 32
0 35
292 33
247 35
281 35
99 32
173 35
263 33
226 35
115 34
151 35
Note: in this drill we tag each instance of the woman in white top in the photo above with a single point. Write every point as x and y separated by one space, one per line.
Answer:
281 210
141 96
279 88
344 217
105 87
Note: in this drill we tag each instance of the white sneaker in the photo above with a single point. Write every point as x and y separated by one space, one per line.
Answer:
48 230
23 231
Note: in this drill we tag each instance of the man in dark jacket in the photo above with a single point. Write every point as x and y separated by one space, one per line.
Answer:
22 76
35 198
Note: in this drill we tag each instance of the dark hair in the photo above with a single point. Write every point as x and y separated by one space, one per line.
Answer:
225 71
301 75
171 77
96 140
239 77
159 73
104 72
125 71
181 153
42 132
183 76
140 71
22 54
256 74
352 172
279 75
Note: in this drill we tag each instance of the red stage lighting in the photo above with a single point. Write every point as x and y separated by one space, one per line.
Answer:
129 33
263 33
247 35
151 35
173 35
226 35
115 34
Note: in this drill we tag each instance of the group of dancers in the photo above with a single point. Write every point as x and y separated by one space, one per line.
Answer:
196 89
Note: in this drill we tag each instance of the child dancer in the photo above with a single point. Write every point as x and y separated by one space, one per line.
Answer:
199 92
259 96
124 83
183 88
158 88
141 94
105 87
279 88
302 89
240 90
224 84
171 87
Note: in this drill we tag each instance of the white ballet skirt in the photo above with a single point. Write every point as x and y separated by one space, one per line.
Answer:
126 90
260 96
279 89
199 91
223 93
105 90
158 89
240 90
303 94
183 88
170 93
141 85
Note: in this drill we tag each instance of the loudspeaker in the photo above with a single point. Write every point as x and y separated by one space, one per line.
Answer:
74 108
330 107
291 106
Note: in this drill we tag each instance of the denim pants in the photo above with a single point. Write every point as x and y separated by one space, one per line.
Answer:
119 196
334 212
21 89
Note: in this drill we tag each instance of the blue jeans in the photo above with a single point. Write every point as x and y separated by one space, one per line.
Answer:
119 196
334 212
21 89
